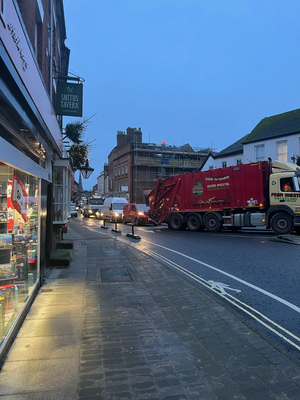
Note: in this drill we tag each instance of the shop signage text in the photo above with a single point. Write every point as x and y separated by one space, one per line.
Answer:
69 99
16 39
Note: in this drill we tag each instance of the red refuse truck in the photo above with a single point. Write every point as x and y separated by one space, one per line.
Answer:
264 193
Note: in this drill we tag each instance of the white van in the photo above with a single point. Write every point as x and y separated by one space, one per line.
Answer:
113 208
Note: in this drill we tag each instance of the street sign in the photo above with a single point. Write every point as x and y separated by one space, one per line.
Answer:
69 99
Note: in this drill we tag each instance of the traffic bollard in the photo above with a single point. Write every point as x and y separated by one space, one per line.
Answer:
116 227
103 226
132 235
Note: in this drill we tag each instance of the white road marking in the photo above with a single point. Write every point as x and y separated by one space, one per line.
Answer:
237 303
222 287
273 296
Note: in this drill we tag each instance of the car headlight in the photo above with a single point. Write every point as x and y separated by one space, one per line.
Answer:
141 213
90 211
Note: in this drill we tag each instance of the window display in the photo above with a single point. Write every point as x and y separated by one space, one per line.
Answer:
18 242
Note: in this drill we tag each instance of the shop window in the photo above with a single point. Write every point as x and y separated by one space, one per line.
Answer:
19 242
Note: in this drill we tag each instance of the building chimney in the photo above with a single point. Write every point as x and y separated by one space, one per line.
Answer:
121 138
139 135
130 134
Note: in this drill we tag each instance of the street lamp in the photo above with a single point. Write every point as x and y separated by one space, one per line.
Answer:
86 170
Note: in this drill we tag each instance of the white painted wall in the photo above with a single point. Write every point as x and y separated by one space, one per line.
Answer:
293 147
102 184
209 162
217 163
230 160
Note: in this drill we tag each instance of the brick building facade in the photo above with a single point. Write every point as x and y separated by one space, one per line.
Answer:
45 26
134 166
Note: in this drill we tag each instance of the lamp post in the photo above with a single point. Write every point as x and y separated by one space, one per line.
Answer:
86 170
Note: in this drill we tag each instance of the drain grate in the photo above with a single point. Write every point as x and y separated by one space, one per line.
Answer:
47 290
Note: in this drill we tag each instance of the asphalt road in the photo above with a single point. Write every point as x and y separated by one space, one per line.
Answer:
250 272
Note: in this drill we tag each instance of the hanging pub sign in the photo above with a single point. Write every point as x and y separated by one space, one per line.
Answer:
69 99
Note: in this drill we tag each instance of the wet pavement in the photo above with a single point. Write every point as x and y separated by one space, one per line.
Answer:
118 325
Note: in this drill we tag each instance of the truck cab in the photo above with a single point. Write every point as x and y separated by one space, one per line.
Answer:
284 192
92 206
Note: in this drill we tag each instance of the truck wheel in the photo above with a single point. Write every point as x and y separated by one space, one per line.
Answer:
282 224
136 222
124 220
176 222
193 222
212 223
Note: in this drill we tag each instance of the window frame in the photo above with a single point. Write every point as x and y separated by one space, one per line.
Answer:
257 156
283 155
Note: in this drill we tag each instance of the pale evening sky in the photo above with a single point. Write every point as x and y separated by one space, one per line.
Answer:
192 71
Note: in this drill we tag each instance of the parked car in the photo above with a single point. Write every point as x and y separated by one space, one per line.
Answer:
73 211
138 213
